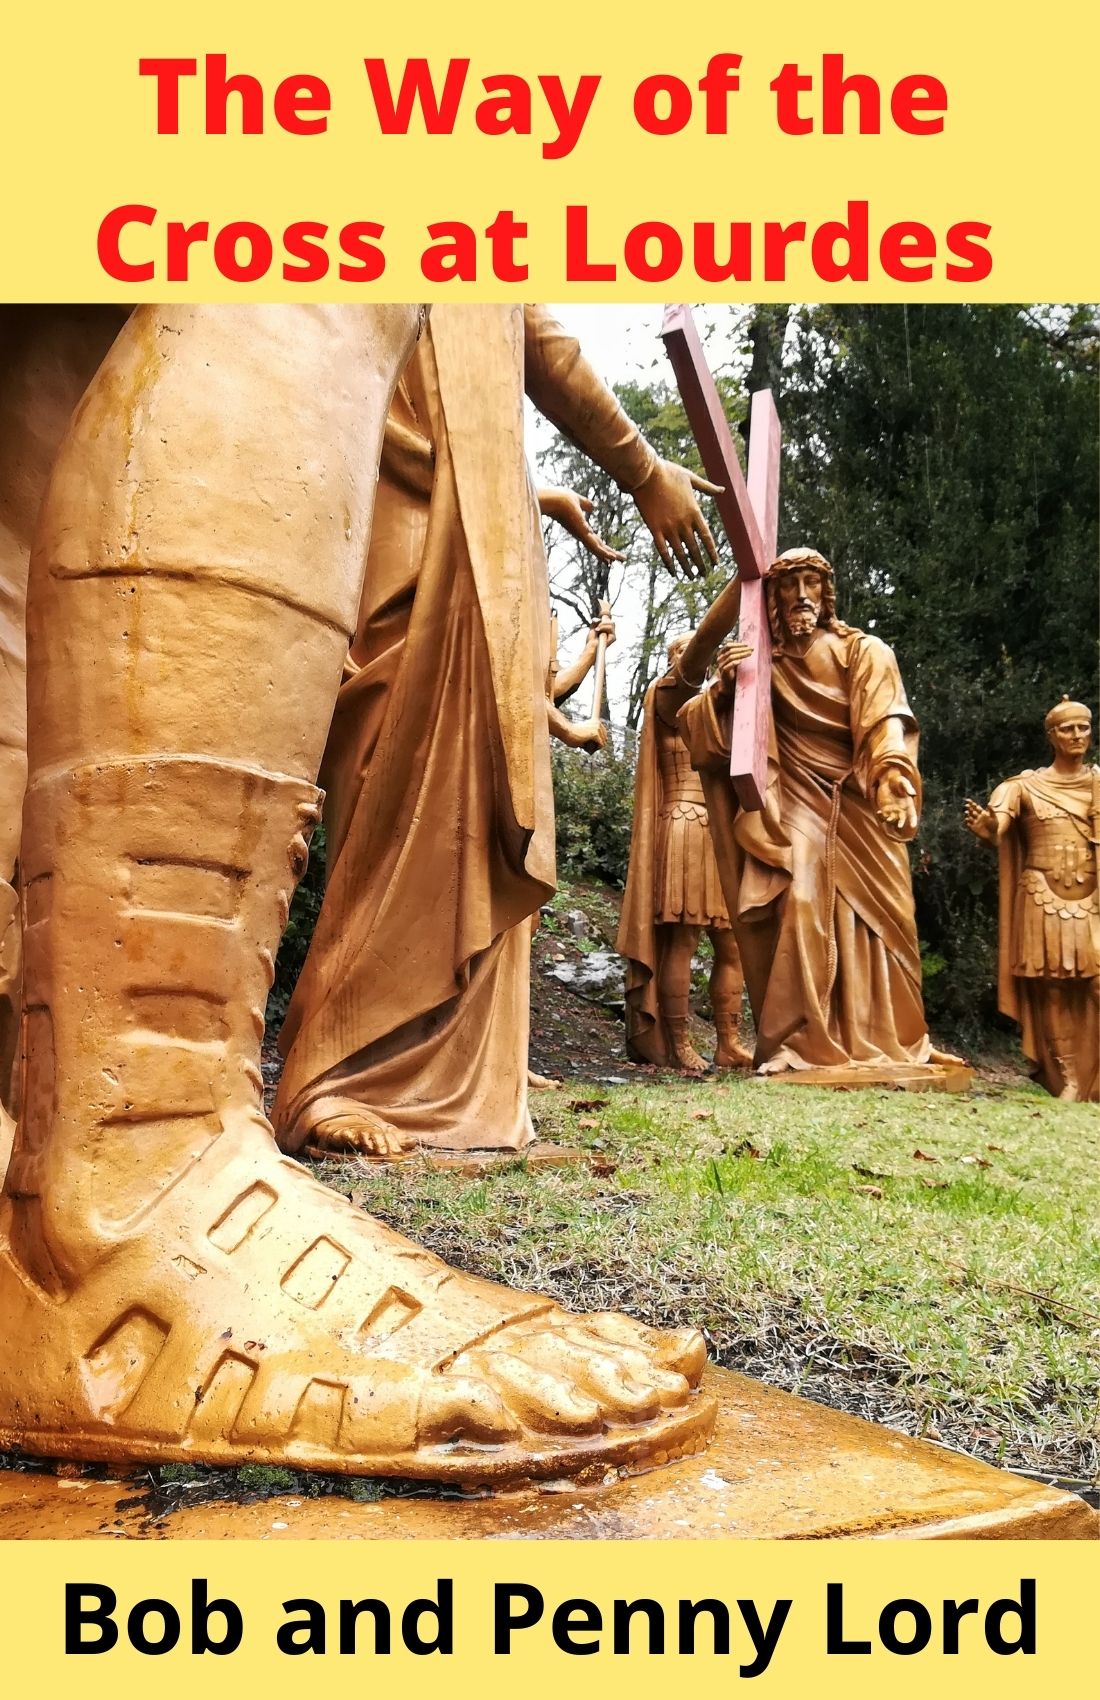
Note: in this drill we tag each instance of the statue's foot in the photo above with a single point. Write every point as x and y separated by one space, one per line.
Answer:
732 1055
946 1059
541 1082
686 1058
341 1126
250 1315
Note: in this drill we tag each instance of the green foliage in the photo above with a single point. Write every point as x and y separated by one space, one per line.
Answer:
304 910
594 805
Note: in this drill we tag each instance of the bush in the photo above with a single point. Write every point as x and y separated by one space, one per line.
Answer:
594 805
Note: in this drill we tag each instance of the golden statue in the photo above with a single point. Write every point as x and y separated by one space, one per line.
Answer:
674 894
409 1023
818 883
1045 826
171 1287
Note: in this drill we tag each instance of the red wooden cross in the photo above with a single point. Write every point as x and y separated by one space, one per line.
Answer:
750 513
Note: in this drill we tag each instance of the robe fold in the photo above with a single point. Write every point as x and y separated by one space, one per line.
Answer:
820 895
414 998
439 812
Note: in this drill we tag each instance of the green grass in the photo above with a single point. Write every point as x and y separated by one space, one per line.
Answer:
798 1228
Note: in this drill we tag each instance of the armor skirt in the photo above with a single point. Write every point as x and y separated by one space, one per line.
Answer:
689 891
1055 937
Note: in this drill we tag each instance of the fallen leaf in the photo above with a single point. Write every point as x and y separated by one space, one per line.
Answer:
995 1148
980 1162
603 1165
744 1148
587 1121
871 1174
934 1186
871 1191
579 1104
925 1157
702 1115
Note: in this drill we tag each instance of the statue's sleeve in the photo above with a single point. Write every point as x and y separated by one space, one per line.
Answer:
570 393
704 723
1007 804
884 728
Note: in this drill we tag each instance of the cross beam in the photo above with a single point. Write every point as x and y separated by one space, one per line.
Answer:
749 511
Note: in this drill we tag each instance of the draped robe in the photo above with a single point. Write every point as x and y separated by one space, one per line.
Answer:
819 893
414 998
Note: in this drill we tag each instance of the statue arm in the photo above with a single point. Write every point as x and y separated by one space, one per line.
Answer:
718 621
567 390
590 735
570 393
568 680
884 738
993 822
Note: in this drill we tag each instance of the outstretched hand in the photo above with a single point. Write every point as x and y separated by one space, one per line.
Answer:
982 822
667 503
571 512
896 803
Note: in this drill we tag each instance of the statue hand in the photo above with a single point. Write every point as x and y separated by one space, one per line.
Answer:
730 657
603 627
982 822
593 736
895 803
666 501
587 735
571 511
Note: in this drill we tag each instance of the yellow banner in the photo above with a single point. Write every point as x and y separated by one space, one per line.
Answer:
847 151
546 1618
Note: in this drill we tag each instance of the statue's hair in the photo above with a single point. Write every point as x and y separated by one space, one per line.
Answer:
788 562
1064 710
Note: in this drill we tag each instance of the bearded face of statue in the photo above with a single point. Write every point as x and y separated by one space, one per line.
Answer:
1072 735
799 597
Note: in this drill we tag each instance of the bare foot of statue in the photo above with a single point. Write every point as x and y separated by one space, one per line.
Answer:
334 1125
946 1059
541 1082
686 1057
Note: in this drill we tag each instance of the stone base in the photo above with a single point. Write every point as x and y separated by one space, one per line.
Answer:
778 1467
931 1077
